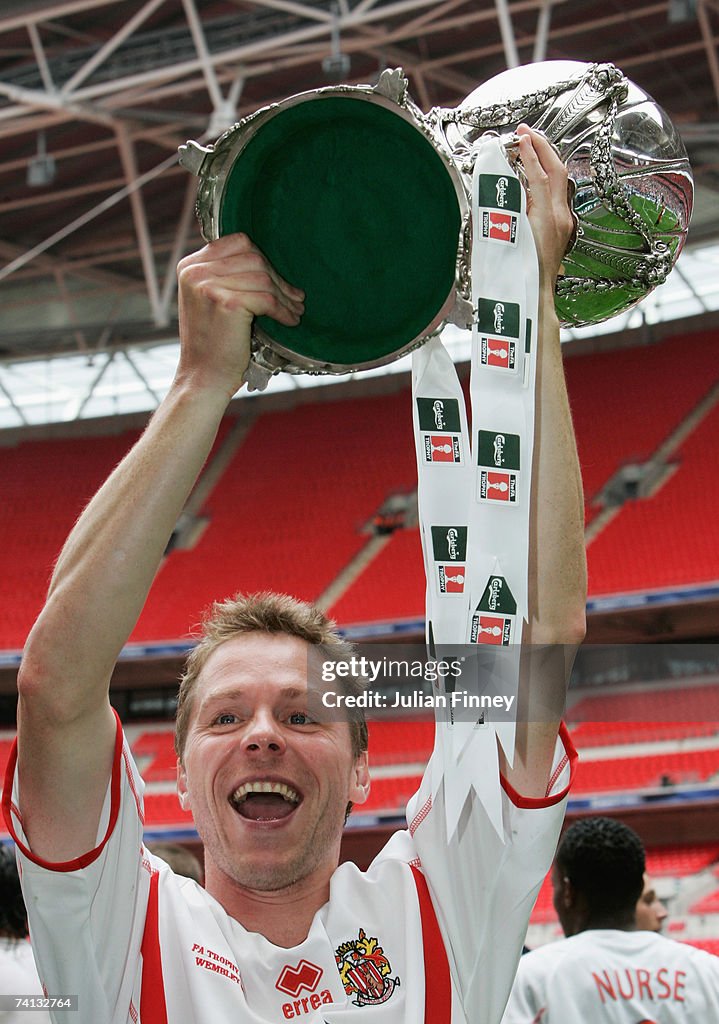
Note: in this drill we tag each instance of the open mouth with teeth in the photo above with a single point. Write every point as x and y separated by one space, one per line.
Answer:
265 801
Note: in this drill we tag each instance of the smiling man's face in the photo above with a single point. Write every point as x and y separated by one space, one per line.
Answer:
267 778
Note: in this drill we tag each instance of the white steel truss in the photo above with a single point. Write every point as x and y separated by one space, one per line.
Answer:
96 96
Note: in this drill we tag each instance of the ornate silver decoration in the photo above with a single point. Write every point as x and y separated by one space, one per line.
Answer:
631 188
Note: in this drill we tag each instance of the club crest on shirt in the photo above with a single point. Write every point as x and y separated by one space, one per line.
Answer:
365 970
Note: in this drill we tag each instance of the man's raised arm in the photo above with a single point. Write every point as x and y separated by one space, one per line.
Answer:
557 563
66 728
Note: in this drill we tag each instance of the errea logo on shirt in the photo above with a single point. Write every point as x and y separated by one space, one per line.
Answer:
305 977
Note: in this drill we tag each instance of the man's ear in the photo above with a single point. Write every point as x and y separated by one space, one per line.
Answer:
568 894
182 793
360 783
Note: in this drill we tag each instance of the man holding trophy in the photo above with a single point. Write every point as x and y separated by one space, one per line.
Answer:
433 931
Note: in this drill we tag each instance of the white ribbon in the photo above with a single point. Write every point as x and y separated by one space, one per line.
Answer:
474 492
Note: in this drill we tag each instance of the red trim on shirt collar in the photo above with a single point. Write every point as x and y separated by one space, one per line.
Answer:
86 858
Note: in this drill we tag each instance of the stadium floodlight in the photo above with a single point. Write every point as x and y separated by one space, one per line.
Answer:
679 11
41 167
336 64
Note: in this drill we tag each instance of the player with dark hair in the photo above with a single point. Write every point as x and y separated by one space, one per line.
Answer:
18 974
597 875
433 931
606 970
13 916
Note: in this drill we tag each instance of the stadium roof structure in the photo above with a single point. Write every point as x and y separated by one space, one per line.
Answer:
96 96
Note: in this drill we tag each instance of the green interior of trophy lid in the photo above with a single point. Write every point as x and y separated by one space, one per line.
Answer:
353 204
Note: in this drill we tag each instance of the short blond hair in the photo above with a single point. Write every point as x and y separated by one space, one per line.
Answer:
271 613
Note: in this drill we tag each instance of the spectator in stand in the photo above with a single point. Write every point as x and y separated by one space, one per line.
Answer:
181 859
607 971
651 912
18 974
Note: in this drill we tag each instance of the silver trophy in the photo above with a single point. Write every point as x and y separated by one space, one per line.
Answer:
362 199
633 188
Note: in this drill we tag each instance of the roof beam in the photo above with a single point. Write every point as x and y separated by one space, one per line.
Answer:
40 58
101 55
511 54
182 234
86 217
34 13
248 51
208 68
36 99
139 217
301 10
542 35
709 44
8 394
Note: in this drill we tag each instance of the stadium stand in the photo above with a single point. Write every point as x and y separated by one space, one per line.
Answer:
668 705
601 734
707 904
682 860
626 403
670 540
45 486
315 501
401 742
164 809
544 912
626 773
155 755
391 588
710 945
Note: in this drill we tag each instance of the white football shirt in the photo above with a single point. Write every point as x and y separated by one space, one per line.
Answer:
141 945
615 977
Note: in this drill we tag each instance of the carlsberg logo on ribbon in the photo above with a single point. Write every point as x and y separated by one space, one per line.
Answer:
440 414
449 549
494 621
474 498
500 200
499 465
498 326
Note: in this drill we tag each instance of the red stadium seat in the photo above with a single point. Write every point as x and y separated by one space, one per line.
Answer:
682 860
707 904
710 945
648 545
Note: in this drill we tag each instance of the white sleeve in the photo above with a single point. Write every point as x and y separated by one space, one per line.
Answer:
484 887
87 915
